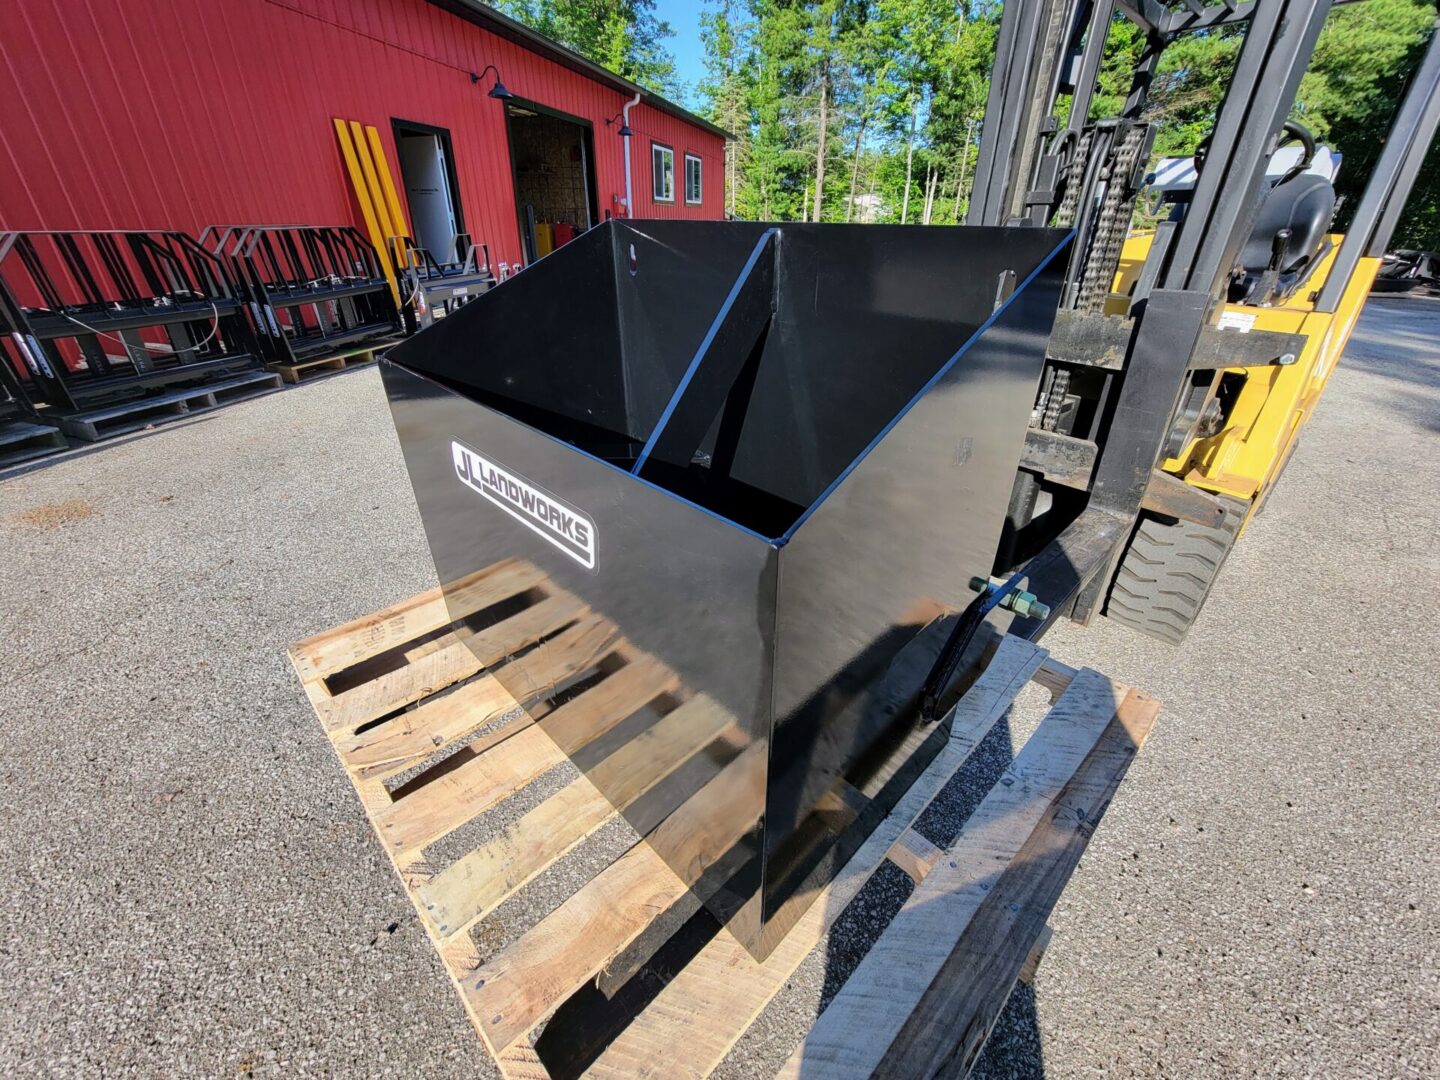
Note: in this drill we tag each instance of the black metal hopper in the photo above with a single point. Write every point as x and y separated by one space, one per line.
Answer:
769 459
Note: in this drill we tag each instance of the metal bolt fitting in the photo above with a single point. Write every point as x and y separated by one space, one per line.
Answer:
1024 604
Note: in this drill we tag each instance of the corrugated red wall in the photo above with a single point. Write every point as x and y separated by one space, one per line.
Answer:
185 113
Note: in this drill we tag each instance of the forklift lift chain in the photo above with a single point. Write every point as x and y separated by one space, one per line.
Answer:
1074 180
1054 399
1112 223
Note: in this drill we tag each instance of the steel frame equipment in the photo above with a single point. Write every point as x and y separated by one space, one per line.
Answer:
94 318
309 289
430 289
1159 425
15 403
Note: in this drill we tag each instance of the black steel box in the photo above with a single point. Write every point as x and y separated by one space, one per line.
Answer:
768 459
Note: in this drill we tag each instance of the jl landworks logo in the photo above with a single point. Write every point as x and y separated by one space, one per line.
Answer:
554 519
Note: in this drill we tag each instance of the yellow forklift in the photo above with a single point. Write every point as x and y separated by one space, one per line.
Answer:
1187 358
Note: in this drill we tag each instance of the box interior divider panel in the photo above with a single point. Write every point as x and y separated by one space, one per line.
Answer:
772 457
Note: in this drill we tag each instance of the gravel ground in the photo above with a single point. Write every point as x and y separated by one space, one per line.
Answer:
194 891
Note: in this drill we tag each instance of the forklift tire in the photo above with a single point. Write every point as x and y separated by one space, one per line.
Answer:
1167 571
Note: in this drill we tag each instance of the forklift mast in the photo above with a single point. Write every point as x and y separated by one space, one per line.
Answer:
1145 378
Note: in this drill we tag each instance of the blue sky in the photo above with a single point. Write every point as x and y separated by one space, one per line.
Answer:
684 17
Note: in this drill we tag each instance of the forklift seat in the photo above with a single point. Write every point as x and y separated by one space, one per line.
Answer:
1302 205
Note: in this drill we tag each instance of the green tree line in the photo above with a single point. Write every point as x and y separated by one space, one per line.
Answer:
625 36
870 110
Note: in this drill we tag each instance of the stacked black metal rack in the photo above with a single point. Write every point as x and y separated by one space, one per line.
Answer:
102 321
430 289
23 434
15 404
311 289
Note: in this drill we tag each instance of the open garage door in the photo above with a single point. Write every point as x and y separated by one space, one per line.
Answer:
553 159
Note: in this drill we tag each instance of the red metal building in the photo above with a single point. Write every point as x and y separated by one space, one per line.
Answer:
130 114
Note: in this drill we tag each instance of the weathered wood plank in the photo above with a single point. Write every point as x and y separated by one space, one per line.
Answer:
707 826
476 884
413 736
521 987
522 1063
709 1005
350 642
868 1015
915 855
727 741
460 653
514 991
1031 966
654 754
475 784
976 979
544 668
452 662
446 802
1055 677
362 639
585 718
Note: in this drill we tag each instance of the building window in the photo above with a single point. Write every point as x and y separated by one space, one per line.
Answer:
662 173
692 179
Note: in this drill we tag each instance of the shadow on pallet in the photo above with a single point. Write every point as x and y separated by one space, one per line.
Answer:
475 735
582 1029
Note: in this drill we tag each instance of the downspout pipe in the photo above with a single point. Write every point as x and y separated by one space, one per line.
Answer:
625 123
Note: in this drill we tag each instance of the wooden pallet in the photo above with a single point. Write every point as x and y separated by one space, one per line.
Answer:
400 692
305 369
21 440
97 424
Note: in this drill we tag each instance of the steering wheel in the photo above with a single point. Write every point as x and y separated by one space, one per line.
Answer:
1290 131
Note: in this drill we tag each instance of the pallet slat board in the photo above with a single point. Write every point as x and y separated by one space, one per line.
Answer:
305 369
434 743
873 1015
21 440
102 423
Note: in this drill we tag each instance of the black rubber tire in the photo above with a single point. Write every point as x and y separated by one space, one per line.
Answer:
1166 574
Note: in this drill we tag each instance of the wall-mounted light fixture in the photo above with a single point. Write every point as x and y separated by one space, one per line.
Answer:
498 91
624 131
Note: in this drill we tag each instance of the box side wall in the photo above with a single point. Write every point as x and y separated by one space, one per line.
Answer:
687 592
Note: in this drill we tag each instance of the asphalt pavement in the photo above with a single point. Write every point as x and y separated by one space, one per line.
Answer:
192 889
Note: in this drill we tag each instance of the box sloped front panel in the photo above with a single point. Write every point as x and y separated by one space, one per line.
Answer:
757 615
